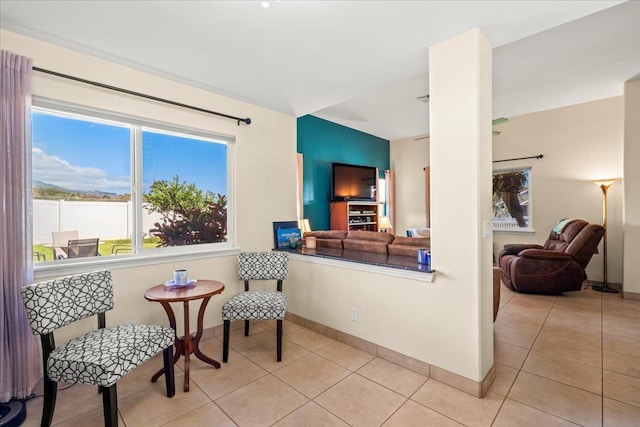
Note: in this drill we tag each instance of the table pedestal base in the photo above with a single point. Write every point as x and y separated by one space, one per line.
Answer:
187 345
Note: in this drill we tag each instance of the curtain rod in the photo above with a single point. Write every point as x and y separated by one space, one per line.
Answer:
539 156
141 95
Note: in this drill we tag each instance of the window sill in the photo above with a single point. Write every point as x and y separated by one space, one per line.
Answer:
83 265
516 231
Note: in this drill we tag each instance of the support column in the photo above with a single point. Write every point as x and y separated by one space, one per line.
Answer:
461 239
631 183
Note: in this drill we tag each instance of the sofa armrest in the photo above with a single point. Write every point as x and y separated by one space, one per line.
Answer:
516 248
545 255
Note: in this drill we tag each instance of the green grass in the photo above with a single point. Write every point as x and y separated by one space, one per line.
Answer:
105 248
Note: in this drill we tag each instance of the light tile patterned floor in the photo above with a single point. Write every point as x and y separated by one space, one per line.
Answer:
562 360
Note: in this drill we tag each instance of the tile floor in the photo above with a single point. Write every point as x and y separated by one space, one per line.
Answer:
560 361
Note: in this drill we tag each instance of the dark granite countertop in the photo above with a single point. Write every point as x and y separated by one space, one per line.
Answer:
362 257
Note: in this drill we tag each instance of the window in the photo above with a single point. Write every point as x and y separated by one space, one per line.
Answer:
512 200
137 187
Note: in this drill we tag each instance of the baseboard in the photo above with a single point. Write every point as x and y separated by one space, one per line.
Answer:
617 286
631 295
474 388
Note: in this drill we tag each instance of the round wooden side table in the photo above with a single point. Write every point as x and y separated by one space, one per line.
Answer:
187 344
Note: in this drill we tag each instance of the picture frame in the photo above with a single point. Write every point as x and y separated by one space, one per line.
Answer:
280 225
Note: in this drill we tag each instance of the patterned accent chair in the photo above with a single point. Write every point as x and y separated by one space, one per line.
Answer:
100 357
257 304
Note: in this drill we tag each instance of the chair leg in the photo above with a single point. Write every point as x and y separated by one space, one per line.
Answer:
110 406
50 393
279 339
246 328
169 376
225 341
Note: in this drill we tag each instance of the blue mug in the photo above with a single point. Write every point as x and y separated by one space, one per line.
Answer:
424 256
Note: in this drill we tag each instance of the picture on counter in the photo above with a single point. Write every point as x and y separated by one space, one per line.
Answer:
289 238
279 225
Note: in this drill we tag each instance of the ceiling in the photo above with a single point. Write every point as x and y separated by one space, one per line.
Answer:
358 63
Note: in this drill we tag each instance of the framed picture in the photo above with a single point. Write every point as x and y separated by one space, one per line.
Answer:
286 235
279 225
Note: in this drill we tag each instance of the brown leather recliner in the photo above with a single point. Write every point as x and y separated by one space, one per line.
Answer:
556 267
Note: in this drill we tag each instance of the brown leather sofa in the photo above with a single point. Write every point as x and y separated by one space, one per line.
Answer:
369 241
556 267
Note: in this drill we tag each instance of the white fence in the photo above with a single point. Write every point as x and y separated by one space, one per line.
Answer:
106 220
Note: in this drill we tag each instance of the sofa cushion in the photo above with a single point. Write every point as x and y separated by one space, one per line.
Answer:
367 241
328 238
408 246
423 242
375 236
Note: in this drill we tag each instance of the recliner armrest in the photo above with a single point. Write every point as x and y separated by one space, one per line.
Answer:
516 248
545 255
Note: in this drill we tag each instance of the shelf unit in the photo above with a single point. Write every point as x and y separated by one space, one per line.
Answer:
354 216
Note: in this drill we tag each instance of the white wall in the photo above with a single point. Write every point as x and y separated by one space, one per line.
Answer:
580 143
266 148
631 184
408 157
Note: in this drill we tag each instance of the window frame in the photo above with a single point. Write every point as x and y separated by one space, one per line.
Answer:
158 255
529 229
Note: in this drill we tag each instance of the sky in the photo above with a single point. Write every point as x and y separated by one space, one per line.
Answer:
94 156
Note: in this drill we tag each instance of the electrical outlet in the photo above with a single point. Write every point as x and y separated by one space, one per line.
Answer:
354 314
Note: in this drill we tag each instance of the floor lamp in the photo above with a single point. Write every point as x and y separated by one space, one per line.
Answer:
604 185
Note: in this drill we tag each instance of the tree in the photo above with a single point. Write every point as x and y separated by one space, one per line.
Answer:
189 215
508 186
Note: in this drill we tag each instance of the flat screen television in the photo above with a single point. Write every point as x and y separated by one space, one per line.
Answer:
353 182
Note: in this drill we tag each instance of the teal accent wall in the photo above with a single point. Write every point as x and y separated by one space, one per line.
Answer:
321 143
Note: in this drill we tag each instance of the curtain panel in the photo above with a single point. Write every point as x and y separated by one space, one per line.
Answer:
19 352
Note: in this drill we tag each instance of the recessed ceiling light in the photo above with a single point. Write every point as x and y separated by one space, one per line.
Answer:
265 4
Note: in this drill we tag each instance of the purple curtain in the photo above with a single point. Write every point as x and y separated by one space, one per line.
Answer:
19 349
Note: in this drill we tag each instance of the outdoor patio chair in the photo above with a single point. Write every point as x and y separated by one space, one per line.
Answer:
61 241
82 248
100 357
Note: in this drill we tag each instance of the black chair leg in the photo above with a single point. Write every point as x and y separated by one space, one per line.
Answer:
246 328
279 339
110 406
225 341
169 376
50 393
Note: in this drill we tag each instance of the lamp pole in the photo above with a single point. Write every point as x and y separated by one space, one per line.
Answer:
604 186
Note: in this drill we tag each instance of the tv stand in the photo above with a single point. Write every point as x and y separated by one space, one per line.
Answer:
354 215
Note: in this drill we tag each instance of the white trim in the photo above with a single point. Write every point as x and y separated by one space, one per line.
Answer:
515 231
84 265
